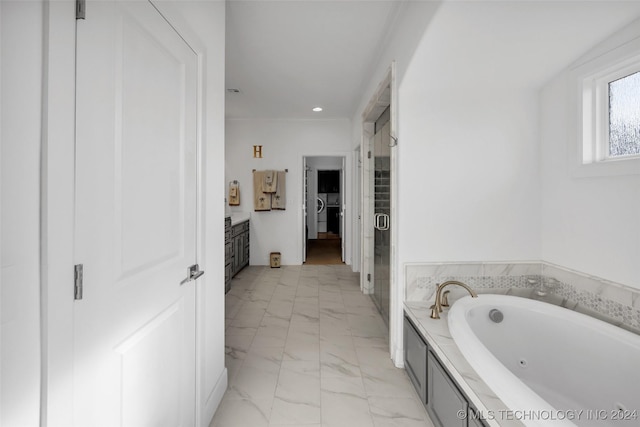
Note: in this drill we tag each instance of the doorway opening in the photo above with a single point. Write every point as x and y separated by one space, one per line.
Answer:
324 214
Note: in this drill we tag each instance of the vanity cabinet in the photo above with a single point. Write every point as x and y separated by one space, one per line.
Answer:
439 393
415 359
240 246
445 402
474 422
228 255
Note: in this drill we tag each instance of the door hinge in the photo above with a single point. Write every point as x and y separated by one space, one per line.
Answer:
368 277
368 154
80 9
77 281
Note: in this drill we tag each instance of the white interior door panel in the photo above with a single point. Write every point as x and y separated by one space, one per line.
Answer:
135 225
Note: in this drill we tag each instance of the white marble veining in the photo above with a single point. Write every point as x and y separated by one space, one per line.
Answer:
305 347
420 275
297 398
609 301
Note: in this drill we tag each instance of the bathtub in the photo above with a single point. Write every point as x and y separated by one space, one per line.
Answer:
549 365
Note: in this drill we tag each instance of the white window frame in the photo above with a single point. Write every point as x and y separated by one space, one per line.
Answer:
589 151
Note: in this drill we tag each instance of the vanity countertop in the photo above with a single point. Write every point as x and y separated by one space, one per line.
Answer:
436 333
238 217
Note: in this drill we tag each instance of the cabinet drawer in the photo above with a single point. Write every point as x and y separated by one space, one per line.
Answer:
474 420
238 229
445 401
415 359
228 252
227 273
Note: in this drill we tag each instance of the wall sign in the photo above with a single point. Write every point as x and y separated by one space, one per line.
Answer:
257 151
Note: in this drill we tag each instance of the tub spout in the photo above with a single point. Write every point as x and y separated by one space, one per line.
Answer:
441 299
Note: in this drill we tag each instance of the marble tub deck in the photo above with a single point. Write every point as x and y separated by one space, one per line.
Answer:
304 347
436 333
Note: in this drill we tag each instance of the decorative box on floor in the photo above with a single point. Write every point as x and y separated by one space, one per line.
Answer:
275 259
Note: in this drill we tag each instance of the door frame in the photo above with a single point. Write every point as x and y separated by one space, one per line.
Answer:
57 215
305 209
343 209
357 214
384 96
346 194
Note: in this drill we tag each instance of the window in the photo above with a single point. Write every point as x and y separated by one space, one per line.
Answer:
624 116
607 104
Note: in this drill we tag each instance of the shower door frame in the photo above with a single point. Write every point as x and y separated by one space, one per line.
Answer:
385 96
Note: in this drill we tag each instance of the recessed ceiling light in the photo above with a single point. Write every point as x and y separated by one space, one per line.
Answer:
317 109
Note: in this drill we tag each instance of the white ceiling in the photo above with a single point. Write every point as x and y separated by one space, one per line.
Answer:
517 43
287 57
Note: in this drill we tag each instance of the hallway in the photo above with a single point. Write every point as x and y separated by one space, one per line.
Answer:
324 252
304 347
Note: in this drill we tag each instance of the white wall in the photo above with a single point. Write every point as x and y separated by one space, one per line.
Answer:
468 152
468 162
589 224
21 90
407 30
284 144
467 158
466 182
468 171
470 179
399 47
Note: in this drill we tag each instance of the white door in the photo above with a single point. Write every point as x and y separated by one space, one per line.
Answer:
135 225
343 208
357 189
305 219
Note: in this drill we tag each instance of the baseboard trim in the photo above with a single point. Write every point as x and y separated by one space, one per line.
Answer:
214 399
398 359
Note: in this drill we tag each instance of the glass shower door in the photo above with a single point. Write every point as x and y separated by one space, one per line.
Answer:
382 218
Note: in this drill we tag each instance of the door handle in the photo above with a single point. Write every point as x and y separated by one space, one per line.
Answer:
193 273
381 221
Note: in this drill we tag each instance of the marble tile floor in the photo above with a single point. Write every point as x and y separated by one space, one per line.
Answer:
304 347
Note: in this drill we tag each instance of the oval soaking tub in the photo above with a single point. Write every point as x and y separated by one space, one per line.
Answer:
551 366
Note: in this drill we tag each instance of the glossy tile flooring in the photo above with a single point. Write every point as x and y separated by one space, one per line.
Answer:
304 347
